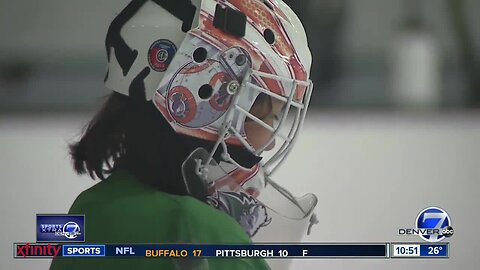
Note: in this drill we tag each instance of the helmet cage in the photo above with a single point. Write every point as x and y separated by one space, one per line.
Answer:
287 132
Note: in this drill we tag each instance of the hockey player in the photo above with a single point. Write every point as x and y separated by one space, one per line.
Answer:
209 97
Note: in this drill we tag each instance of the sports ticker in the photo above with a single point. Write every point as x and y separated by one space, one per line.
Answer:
317 250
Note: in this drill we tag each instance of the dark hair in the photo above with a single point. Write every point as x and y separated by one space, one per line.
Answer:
132 135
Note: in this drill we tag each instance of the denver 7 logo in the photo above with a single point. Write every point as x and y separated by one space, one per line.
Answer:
433 218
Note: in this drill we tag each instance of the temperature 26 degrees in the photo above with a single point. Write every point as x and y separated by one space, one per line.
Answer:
434 251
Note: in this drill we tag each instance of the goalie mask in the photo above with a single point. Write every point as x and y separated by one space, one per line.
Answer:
204 63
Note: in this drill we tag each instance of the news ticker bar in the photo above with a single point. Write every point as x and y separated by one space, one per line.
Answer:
382 250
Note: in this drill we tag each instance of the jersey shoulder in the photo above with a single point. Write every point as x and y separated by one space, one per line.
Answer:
122 209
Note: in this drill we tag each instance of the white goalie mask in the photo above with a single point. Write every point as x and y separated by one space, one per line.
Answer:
205 79
204 64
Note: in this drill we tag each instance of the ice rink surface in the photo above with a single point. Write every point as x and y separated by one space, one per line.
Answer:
372 172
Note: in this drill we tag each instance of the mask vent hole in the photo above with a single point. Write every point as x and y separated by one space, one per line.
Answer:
269 36
205 91
199 55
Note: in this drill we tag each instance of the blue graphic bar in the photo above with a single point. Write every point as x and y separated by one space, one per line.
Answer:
256 251
60 228
360 250
49 250
83 250
434 250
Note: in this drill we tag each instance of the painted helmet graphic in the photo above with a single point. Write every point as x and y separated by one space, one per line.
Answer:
204 63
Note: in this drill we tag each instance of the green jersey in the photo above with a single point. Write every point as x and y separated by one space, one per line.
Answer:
121 209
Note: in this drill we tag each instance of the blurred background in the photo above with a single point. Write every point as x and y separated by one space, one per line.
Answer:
394 125
368 54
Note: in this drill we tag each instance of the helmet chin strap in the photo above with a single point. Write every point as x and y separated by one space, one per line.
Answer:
239 156
236 155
